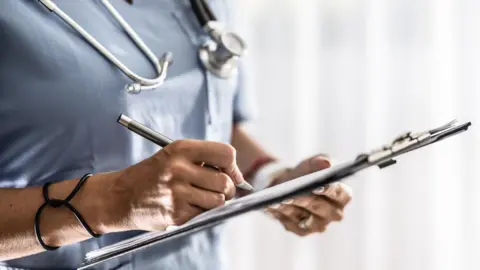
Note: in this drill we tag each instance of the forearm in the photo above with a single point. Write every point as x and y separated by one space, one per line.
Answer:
248 150
58 227
259 167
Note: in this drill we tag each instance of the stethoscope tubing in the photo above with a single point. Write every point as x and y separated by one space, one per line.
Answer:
202 11
148 83
208 56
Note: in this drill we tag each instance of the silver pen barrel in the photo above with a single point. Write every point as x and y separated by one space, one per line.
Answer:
163 141
144 131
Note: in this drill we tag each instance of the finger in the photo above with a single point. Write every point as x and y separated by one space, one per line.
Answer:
203 198
188 212
213 153
338 193
288 223
208 179
296 214
318 206
313 223
313 164
317 224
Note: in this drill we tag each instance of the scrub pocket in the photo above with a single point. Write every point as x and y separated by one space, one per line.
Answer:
220 92
221 95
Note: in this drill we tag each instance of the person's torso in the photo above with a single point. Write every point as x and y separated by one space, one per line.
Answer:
60 99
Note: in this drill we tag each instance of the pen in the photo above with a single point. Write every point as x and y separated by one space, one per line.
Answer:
162 141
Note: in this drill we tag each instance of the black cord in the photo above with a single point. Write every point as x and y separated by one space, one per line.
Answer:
55 203
208 11
202 11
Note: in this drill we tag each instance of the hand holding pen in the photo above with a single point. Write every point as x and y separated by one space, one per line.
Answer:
163 141
168 188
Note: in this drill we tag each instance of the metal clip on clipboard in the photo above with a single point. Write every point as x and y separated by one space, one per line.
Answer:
402 143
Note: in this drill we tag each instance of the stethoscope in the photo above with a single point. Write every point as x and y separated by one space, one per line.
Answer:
220 55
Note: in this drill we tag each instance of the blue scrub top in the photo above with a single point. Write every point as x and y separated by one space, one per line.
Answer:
60 99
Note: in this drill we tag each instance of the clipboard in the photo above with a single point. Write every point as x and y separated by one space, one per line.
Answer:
382 157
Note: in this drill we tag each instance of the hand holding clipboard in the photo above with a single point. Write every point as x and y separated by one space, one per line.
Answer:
382 157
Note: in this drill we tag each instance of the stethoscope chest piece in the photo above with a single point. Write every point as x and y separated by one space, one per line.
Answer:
223 67
221 53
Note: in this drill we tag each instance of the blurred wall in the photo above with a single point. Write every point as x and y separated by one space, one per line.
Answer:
345 76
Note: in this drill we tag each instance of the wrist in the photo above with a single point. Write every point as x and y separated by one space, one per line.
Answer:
110 210
266 175
96 203
87 201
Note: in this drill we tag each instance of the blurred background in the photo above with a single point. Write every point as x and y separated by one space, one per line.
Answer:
345 76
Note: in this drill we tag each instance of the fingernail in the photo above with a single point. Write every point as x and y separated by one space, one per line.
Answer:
324 164
287 201
321 162
318 191
240 178
275 206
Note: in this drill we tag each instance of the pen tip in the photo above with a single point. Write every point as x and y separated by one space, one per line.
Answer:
246 186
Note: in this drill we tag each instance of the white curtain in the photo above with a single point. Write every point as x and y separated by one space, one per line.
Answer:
345 76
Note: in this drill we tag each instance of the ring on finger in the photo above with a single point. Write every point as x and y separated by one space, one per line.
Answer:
306 223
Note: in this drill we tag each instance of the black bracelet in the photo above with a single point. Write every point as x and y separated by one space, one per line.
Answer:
55 203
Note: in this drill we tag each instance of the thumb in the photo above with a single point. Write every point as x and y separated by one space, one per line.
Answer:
310 165
319 163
